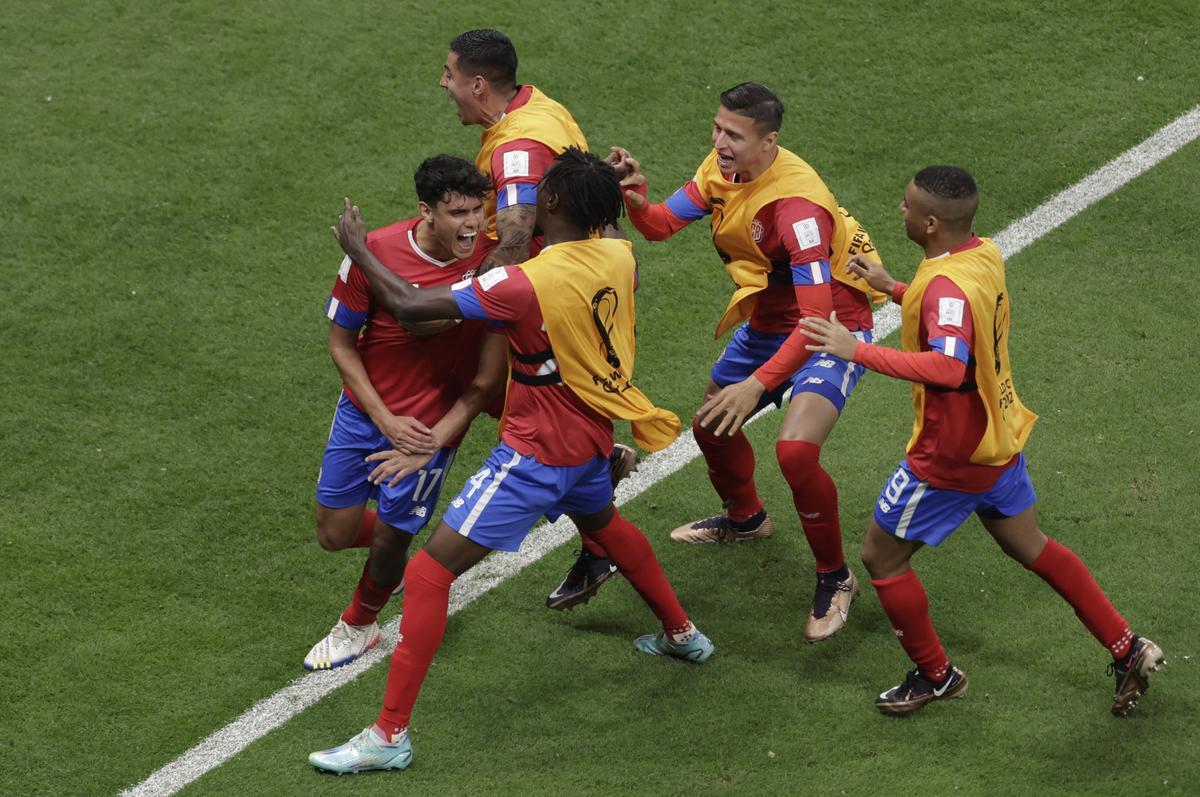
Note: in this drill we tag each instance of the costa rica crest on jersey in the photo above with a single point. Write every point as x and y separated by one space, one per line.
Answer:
756 231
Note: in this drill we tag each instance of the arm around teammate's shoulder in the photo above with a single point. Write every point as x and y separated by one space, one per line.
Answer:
400 297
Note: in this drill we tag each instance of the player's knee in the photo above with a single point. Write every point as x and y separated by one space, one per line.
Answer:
799 460
702 435
870 560
333 536
879 562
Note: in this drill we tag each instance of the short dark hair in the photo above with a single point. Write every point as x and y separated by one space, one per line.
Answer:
442 175
757 102
488 53
955 195
946 182
587 188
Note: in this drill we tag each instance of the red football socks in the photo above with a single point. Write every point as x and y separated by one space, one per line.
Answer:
369 598
366 528
816 499
1069 576
426 601
907 607
632 553
593 547
730 469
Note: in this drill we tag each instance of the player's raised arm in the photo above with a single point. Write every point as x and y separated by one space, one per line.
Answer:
401 298
655 221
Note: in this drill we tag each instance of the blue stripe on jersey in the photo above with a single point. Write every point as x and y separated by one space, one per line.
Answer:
952 347
468 303
516 194
343 316
814 273
684 208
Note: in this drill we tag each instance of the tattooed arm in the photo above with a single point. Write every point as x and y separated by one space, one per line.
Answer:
514 226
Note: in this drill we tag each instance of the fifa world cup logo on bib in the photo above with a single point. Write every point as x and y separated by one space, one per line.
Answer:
604 311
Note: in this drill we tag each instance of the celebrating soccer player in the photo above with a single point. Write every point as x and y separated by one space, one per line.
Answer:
784 240
568 314
965 455
523 131
398 379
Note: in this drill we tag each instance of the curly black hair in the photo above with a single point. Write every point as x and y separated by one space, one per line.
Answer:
587 187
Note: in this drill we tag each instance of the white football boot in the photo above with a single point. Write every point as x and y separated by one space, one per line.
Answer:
342 645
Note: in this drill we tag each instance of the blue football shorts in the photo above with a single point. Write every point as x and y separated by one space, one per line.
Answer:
344 470
823 374
504 499
913 510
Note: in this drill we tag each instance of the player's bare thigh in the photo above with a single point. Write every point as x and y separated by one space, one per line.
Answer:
1018 536
590 524
885 555
453 551
810 417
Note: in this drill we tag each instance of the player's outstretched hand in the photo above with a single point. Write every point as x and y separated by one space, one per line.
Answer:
395 465
835 339
874 273
629 172
731 406
350 231
409 435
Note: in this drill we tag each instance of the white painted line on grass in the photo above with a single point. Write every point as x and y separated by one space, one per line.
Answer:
271 712
1100 183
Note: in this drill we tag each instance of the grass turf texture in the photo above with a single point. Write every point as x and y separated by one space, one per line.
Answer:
169 172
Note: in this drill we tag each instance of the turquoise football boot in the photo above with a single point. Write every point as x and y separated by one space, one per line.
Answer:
695 649
364 753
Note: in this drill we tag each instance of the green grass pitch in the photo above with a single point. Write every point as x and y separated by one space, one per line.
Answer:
167 176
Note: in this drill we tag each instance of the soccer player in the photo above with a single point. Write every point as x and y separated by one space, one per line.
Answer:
783 239
398 378
523 131
568 315
965 455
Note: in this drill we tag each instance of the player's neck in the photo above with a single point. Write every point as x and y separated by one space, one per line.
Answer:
554 234
757 169
429 243
945 243
495 105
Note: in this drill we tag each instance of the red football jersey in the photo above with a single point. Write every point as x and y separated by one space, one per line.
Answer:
414 375
546 421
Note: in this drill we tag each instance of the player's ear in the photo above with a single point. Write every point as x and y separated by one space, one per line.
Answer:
426 211
769 139
551 200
